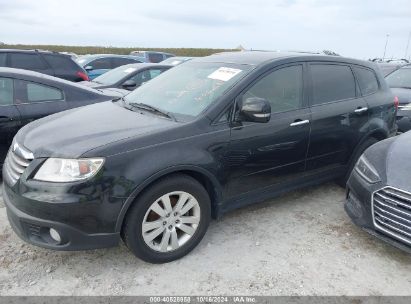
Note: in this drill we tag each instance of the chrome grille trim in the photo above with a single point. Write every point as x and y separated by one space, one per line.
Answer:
16 162
391 213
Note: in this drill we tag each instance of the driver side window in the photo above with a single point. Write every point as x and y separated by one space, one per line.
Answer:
283 88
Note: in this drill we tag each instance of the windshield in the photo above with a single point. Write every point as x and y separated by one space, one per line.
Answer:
190 88
400 78
115 75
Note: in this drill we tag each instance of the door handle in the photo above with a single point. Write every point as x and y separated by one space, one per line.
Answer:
361 110
299 123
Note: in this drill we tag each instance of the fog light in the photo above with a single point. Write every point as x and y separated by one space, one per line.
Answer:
55 235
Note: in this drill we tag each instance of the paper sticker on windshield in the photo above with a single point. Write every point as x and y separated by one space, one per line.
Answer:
224 74
129 70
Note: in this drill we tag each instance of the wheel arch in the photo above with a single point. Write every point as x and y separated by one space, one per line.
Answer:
203 176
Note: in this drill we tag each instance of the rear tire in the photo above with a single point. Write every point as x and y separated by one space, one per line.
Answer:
167 220
342 181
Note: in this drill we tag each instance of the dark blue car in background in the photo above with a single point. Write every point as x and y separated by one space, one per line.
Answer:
98 64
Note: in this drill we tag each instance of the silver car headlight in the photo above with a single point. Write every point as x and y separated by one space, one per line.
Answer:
366 170
62 170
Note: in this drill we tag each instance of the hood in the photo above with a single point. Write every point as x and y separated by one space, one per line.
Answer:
115 92
90 84
72 133
404 95
398 162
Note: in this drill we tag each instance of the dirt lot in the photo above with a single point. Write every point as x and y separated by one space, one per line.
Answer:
300 244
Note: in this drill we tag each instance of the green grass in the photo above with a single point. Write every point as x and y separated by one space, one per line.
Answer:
81 50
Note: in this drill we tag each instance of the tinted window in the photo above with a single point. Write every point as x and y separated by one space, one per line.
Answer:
122 61
3 57
153 57
6 91
101 63
37 92
332 83
26 61
59 62
367 80
142 77
146 75
400 78
283 88
155 72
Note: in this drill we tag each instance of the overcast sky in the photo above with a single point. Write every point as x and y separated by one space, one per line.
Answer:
350 27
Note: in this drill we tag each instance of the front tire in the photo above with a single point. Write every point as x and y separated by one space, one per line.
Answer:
168 219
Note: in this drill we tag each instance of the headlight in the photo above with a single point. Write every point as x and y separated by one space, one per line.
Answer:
68 170
366 170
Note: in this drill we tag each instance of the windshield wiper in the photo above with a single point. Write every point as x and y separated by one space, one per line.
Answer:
152 109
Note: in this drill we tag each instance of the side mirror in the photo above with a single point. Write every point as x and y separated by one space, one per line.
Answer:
89 68
129 84
255 109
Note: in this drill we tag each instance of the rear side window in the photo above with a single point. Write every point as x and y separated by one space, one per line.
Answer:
60 62
331 83
6 91
122 61
27 92
3 57
367 81
37 92
153 57
282 88
101 63
26 61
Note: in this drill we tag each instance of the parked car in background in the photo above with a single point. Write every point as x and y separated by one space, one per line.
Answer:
151 56
379 191
50 63
26 96
74 56
98 64
388 68
176 60
128 77
206 137
400 83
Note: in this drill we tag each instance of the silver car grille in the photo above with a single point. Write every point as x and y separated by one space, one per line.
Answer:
16 162
391 210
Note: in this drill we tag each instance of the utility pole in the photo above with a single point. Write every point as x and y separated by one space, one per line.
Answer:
385 48
408 44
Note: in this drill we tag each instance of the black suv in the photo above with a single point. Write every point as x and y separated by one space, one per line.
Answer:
50 63
207 136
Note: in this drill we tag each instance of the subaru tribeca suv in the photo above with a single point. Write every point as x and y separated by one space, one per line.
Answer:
208 136
46 62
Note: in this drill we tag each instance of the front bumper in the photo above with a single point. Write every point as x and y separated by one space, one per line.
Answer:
36 230
358 206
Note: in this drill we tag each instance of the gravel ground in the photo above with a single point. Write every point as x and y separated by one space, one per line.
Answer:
302 243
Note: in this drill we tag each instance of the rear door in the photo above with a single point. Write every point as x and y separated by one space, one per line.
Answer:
29 61
63 66
380 100
339 116
34 100
9 116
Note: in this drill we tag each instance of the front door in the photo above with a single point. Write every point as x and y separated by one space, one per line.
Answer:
265 154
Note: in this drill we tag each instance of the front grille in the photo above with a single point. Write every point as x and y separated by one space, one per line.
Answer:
392 213
16 162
